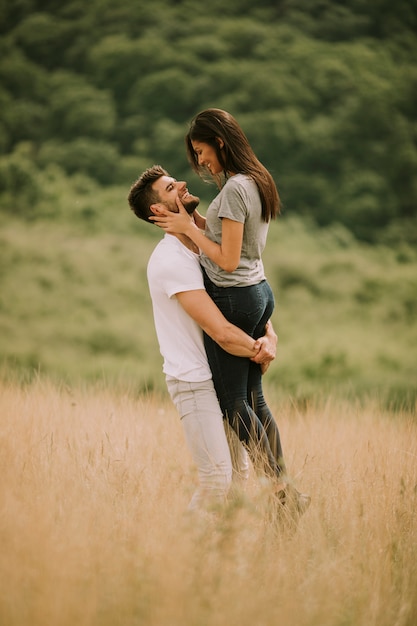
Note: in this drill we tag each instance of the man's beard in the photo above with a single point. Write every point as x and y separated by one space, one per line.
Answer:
192 204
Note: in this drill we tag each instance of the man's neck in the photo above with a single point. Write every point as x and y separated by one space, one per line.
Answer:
187 242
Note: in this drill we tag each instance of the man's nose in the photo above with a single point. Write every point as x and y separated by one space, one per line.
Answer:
181 184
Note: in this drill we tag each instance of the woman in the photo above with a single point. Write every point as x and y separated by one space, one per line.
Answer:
231 239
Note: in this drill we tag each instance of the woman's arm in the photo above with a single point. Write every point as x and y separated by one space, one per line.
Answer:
226 254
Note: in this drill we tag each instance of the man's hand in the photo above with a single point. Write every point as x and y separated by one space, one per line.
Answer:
267 346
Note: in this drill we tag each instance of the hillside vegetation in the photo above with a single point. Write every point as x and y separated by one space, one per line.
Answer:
75 304
91 94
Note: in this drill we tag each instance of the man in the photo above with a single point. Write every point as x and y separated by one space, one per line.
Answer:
182 309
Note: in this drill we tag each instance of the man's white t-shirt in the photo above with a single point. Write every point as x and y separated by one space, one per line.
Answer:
173 268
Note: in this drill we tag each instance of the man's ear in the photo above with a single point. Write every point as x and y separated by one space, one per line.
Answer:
157 209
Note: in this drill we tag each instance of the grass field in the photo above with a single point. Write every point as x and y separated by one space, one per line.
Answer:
95 483
74 304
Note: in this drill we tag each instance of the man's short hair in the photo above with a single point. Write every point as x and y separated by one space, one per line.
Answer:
141 194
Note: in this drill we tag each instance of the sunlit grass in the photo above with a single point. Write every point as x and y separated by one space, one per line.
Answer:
95 483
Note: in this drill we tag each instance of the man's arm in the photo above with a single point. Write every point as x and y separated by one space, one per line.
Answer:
268 345
203 310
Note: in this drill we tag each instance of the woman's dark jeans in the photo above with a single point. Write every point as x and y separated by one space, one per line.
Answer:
238 381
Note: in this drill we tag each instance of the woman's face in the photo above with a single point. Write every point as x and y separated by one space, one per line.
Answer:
207 157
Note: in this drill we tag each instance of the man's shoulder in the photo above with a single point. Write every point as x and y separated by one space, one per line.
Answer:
170 250
172 261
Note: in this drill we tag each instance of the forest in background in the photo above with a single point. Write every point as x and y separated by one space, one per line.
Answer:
91 94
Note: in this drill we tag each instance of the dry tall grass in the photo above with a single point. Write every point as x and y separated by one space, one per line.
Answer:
94 484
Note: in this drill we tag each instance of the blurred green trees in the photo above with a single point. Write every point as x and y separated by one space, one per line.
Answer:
326 92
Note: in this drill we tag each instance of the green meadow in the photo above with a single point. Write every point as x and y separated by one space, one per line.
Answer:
75 304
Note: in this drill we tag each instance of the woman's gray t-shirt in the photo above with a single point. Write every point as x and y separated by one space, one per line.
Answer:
239 200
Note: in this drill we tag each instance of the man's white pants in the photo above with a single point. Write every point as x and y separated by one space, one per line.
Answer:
205 433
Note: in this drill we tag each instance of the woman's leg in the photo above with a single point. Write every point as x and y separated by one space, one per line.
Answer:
203 426
230 375
256 397
258 403
239 455
249 308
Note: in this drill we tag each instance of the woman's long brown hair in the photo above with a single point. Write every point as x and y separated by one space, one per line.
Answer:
235 156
